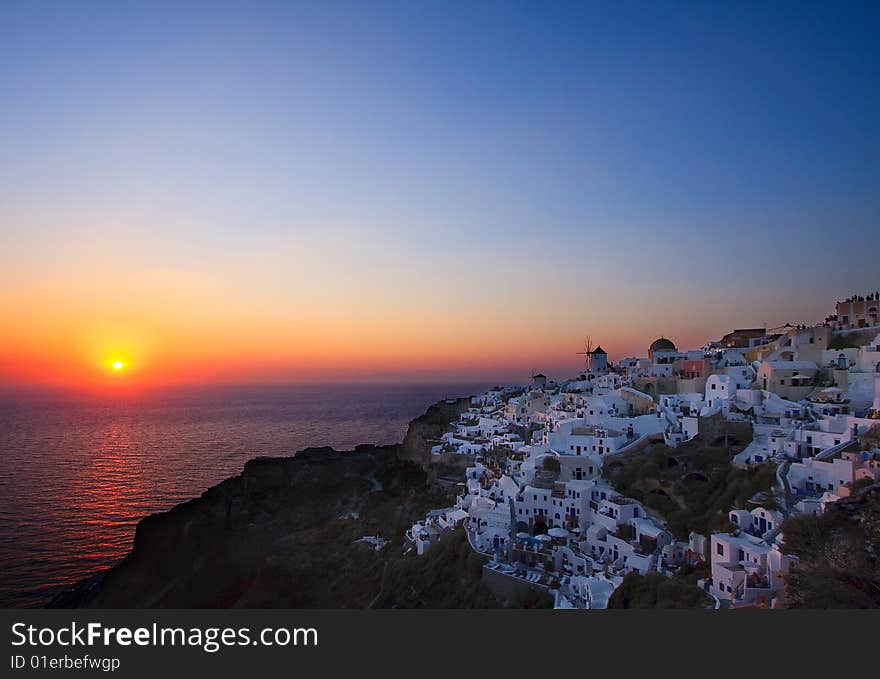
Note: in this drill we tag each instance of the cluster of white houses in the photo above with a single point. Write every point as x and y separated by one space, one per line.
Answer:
544 513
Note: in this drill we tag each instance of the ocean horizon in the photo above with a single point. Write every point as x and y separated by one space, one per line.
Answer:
78 471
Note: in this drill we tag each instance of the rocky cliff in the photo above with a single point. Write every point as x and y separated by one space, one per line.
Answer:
838 563
424 432
286 533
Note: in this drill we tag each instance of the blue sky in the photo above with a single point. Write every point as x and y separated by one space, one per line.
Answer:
729 150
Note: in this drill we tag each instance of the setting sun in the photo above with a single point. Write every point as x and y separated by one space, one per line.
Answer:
117 365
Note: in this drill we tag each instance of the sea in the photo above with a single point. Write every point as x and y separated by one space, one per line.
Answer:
78 472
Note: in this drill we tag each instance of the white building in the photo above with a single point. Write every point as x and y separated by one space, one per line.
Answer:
813 477
759 521
745 569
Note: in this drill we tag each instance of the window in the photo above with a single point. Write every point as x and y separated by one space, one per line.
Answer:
720 549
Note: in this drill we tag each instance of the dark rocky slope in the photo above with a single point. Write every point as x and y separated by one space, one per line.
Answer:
424 431
284 534
838 555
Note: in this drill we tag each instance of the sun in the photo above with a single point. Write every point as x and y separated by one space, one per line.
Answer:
116 364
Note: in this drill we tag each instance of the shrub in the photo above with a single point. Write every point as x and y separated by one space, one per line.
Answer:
657 591
551 464
858 484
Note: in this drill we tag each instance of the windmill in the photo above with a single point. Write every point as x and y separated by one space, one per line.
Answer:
587 353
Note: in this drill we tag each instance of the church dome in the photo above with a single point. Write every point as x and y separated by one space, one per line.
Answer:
661 344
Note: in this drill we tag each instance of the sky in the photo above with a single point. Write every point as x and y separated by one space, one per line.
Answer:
434 191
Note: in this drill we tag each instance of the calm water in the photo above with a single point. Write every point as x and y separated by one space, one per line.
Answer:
77 474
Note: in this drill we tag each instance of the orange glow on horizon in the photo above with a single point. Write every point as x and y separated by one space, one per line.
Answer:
177 327
157 345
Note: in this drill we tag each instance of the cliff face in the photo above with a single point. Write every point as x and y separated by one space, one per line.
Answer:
284 533
423 432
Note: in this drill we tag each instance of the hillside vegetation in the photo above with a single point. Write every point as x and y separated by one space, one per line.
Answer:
838 554
655 590
691 487
447 576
